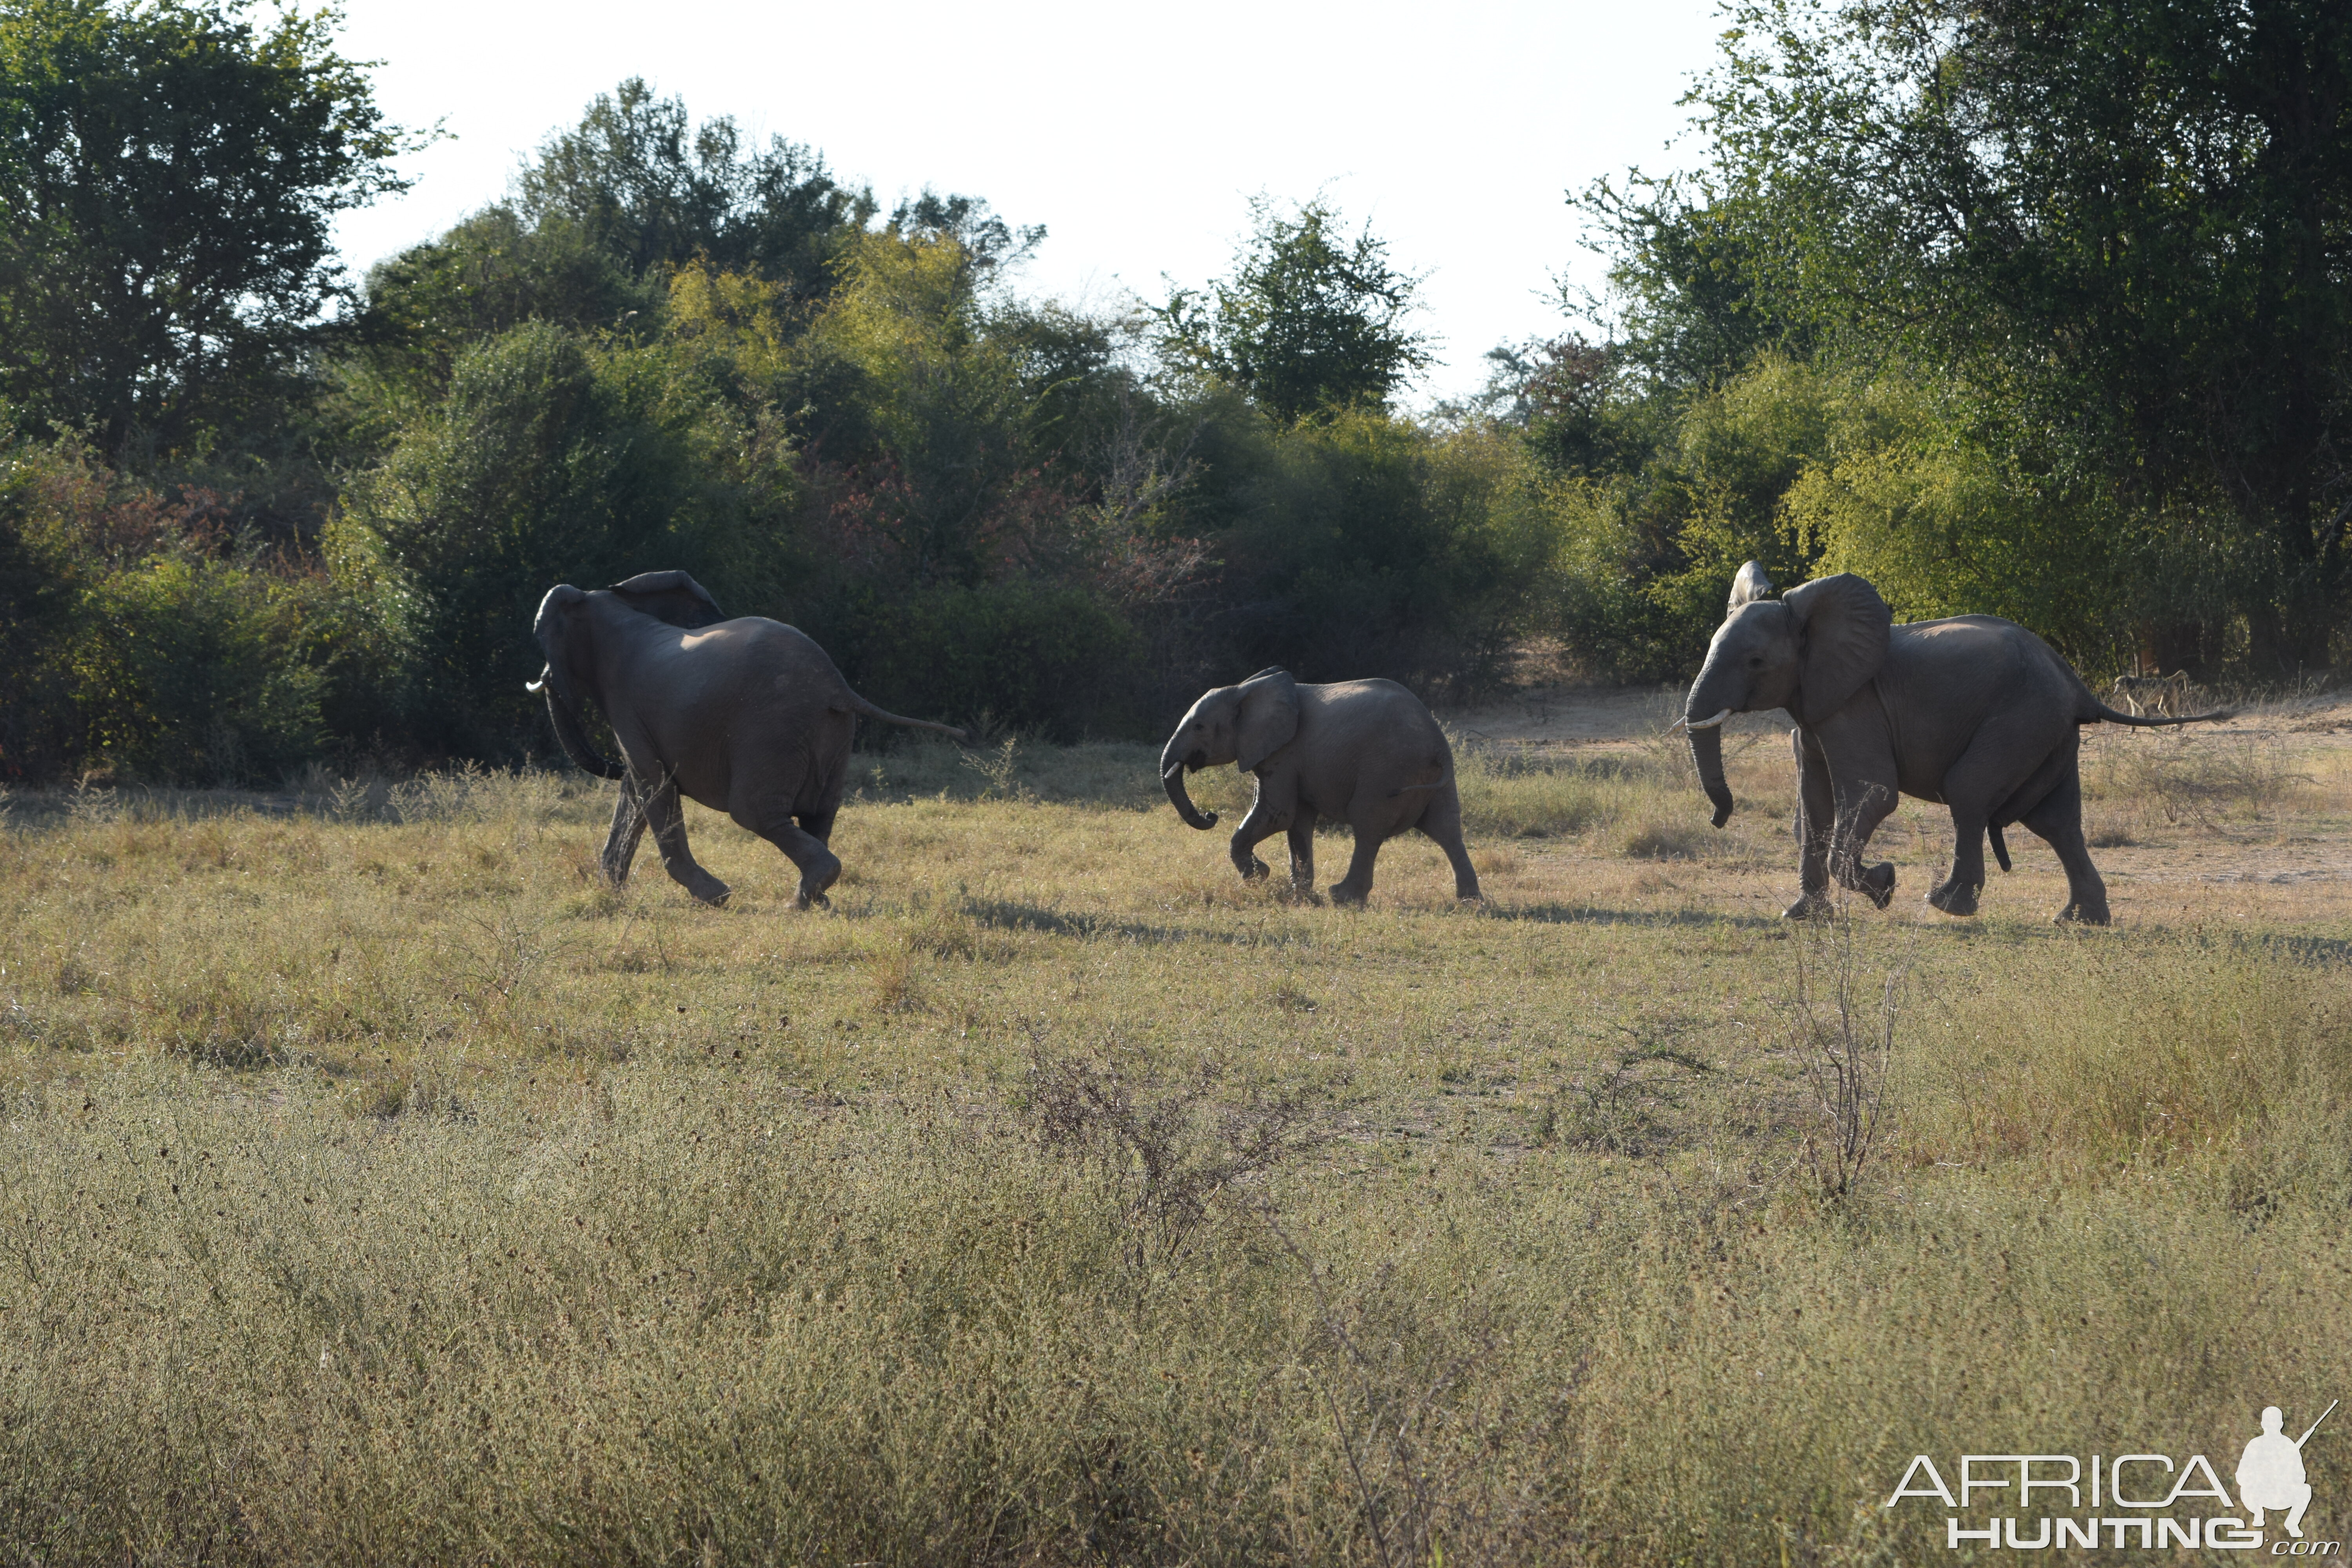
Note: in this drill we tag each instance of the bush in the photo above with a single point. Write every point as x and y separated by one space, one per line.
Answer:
140 639
193 669
1035 656
1367 546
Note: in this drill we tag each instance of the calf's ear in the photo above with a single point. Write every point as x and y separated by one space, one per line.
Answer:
1269 717
1841 633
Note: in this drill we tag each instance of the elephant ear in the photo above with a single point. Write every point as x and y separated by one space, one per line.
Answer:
1750 585
1842 629
1269 717
671 596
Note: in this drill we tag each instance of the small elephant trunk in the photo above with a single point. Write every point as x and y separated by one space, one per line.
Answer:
1707 752
1172 774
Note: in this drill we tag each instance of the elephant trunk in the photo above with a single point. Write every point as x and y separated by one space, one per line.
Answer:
571 737
1706 750
1171 775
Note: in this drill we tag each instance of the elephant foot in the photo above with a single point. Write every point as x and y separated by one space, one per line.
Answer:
1254 871
1345 895
707 889
1955 898
1879 883
1472 896
1808 906
2083 911
814 883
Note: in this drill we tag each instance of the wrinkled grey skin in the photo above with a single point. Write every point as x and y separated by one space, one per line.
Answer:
1975 713
1364 751
746 716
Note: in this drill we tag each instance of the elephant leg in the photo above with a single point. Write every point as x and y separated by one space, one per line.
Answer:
1263 823
1302 850
1816 814
628 829
1862 806
2058 819
1956 894
1357 885
668 819
1442 825
1983 789
1371 832
802 839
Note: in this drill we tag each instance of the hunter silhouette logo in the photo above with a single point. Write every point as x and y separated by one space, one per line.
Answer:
2271 1475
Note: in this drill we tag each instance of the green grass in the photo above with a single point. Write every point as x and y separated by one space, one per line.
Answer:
375 1186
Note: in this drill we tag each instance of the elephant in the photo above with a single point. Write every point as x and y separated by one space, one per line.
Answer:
1972 711
746 716
1365 751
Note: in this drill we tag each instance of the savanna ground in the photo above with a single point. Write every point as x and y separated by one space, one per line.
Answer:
375 1186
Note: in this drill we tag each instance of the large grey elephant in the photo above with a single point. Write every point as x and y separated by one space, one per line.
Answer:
745 716
1366 753
1973 712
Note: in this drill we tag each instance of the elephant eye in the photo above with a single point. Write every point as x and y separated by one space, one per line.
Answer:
1755 661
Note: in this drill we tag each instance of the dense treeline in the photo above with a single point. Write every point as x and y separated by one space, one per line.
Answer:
2034 310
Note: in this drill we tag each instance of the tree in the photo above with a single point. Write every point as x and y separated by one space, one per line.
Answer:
2125 225
168 175
1309 320
646 186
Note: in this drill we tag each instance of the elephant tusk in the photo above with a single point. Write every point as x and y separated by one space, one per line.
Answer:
536 687
1171 771
1707 724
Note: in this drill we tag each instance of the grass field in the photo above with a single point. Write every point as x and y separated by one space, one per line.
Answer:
376 1186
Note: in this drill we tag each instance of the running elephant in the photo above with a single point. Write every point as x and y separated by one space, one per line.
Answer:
1366 753
744 716
1973 712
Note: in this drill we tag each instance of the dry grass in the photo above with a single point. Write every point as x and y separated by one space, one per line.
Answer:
377 1187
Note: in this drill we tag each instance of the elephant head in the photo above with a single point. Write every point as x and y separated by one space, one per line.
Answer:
569 672
1241 724
1808 651
673 597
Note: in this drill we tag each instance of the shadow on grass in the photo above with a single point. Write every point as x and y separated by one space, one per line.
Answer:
1006 914
1593 914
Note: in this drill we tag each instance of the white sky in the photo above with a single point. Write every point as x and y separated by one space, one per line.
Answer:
1137 135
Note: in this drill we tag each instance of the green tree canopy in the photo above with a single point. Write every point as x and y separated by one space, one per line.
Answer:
1309 320
644 184
168 176
2126 225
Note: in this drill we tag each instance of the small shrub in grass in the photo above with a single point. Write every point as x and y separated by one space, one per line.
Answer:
1168 1151
1669 839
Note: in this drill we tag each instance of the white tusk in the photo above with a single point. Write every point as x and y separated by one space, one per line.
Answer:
1708 723
535 687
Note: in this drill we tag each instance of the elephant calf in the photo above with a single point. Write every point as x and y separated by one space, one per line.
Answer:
1364 751
1972 711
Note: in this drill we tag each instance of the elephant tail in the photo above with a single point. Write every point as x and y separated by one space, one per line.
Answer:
2103 714
856 704
2000 846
